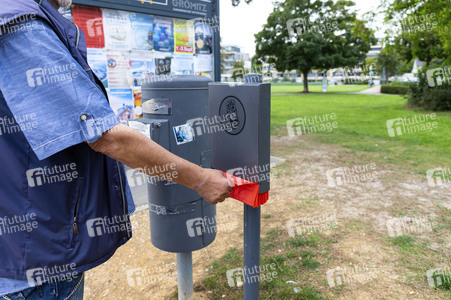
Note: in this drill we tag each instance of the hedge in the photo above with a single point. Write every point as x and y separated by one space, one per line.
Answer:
394 89
355 81
435 98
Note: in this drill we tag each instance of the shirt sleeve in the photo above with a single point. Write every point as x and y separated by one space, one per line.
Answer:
50 95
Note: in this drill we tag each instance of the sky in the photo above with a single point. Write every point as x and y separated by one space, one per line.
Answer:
240 23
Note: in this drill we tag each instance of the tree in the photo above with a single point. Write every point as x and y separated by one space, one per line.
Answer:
303 35
406 66
390 61
238 70
421 26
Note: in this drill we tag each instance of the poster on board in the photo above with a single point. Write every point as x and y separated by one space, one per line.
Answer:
97 62
163 34
90 21
203 36
184 36
122 103
163 66
142 66
142 31
116 25
137 100
183 64
119 71
203 63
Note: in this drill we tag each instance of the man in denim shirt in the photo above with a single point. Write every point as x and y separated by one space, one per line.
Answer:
54 118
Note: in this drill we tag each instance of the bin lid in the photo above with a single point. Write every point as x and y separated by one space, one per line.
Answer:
160 82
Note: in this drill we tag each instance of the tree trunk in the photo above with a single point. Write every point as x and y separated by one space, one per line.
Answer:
305 74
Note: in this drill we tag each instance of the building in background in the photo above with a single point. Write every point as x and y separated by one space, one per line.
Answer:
231 54
374 51
417 65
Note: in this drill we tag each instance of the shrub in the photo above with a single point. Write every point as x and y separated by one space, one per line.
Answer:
416 91
431 98
438 99
415 94
394 89
400 83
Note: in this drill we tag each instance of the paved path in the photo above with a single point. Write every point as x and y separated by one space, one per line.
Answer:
375 90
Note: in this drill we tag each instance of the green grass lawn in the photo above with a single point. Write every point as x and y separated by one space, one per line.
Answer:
298 88
280 268
361 121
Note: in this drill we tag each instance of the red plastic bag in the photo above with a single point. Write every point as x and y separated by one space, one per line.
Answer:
246 191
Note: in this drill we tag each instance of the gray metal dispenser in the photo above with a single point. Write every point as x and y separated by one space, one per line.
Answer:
244 148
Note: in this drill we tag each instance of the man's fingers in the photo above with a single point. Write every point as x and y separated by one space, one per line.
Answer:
231 184
215 189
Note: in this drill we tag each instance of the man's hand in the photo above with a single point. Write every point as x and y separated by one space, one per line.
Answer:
214 187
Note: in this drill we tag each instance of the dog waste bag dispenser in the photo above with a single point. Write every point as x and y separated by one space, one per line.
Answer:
243 148
177 213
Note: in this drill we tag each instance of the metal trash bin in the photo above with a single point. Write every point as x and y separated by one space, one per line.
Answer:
180 220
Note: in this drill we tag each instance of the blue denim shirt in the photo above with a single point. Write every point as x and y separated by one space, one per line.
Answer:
47 91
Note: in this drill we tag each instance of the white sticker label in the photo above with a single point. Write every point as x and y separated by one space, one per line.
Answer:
141 127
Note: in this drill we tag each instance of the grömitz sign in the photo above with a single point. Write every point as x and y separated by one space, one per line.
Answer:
186 8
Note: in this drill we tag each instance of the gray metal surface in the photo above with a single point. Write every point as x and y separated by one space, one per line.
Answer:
180 220
252 219
245 150
185 275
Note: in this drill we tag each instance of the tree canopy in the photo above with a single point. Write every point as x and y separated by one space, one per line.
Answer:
311 34
388 60
419 28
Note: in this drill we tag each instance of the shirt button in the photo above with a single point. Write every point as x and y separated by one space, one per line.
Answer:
83 117
116 187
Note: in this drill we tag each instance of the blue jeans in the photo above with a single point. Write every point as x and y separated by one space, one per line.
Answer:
61 290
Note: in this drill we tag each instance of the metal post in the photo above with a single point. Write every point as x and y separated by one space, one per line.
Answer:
252 234
251 252
185 275
217 42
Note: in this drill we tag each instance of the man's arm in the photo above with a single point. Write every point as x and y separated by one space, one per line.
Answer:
132 148
77 104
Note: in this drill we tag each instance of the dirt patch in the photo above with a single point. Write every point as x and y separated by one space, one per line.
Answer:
363 210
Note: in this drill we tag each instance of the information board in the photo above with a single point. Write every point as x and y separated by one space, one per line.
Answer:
128 42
